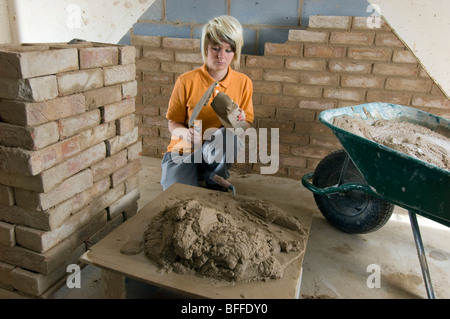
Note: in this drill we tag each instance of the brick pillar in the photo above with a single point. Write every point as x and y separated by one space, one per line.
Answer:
69 156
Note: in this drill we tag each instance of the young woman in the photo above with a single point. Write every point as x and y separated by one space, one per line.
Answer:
221 44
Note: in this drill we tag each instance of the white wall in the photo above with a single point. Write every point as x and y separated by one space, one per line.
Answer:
424 26
38 21
5 29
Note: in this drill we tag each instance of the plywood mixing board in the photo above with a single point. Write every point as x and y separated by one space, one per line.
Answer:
106 255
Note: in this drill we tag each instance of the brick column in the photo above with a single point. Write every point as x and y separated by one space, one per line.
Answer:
69 156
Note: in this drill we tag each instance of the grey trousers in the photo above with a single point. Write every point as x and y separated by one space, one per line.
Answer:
213 158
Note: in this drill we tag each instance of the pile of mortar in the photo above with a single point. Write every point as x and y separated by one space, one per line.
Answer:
233 240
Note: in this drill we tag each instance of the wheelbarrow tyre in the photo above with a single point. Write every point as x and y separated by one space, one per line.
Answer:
355 211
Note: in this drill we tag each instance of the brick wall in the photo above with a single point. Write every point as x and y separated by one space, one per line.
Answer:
69 156
336 62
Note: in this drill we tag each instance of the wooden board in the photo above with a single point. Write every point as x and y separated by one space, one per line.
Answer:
106 255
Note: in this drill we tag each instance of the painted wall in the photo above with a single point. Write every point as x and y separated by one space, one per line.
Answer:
424 26
5 30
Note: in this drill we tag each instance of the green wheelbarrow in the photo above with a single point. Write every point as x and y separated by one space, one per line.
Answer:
356 188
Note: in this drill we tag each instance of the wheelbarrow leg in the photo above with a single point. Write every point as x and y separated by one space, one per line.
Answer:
422 256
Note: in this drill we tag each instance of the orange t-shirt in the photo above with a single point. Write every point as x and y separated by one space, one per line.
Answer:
191 86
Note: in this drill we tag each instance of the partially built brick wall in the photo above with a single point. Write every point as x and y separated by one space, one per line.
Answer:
336 62
69 156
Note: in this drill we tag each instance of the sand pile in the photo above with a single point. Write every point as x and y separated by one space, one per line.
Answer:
217 236
409 138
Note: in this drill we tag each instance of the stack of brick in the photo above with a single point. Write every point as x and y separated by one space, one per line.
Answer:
69 156
336 62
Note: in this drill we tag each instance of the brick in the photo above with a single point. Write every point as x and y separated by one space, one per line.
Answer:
79 81
127 54
38 63
146 41
296 115
388 39
76 124
174 67
29 138
7 234
43 201
280 101
281 76
318 51
264 62
132 183
294 138
294 161
335 22
125 124
388 97
5 274
283 126
29 163
302 90
431 101
147 65
102 96
343 94
129 89
188 57
417 85
41 241
346 66
330 142
316 105
108 165
97 134
57 215
309 151
123 203
6 195
395 69
362 81
403 56
181 43
156 78
37 262
119 142
98 57
308 36
375 54
305 64
319 78
29 90
24 113
266 87
116 110
283 49
134 151
120 175
57 174
157 54
37 283
352 38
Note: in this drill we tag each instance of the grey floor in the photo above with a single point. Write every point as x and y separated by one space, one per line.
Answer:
378 265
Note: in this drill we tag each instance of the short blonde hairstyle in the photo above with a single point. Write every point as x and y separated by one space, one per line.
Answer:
223 29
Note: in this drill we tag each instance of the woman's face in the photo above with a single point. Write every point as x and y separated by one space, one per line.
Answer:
219 56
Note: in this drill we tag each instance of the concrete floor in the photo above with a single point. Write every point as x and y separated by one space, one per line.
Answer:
379 265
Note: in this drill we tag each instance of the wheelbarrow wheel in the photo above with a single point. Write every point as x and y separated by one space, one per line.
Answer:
353 211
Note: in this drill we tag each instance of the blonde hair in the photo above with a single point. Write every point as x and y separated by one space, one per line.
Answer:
223 29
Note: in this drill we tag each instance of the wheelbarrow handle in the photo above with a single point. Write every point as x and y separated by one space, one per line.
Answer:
307 178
